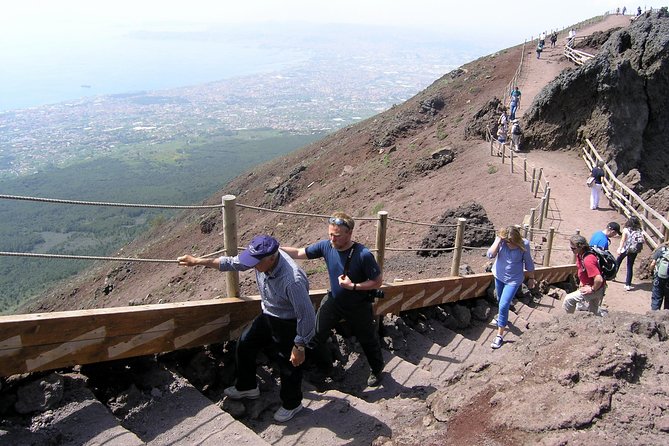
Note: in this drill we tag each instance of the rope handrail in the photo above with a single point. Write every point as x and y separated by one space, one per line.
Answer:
80 257
420 223
104 203
302 214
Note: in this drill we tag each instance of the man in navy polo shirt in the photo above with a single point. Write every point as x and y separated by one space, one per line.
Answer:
287 320
353 272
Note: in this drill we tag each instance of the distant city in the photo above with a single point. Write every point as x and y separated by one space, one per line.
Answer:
331 90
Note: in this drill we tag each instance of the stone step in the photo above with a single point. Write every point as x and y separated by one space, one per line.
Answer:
180 414
349 412
333 418
78 407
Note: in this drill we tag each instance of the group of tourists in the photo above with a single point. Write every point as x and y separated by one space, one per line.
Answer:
594 264
288 322
513 132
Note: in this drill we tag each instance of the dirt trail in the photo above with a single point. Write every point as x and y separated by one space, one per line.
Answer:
566 172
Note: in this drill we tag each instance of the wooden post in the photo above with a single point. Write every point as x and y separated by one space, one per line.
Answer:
548 200
542 206
381 230
526 229
532 214
547 258
457 254
230 242
536 190
666 230
534 175
524 169
502 147
491 147
511 159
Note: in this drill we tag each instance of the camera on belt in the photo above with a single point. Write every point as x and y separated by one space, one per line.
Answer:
375 294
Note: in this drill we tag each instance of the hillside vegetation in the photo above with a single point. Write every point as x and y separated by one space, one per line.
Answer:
178 173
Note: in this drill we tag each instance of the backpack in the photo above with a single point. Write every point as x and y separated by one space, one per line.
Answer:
607 263
515 129
635 242
662 267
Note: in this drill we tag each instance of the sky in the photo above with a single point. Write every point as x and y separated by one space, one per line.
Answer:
43 41
496 19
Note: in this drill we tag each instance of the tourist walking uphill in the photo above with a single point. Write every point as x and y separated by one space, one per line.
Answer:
660 267
631 243
592 285
512 255
602 239
595 184
353 273
515 102
287 322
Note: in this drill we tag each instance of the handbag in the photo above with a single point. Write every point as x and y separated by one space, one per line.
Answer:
590 181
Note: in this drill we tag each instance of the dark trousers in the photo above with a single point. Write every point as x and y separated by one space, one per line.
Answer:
269 331
631 257
363 326
659 293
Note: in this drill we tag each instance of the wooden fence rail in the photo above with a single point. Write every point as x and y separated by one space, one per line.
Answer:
45 341
655 226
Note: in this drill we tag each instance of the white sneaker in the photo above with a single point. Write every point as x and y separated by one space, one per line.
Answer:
497 342
282 415
235 394
628 287
582 306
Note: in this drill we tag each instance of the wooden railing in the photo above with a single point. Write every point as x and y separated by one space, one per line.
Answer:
45 341
655 226
576 56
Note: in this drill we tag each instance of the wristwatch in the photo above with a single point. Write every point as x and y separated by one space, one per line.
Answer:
300 348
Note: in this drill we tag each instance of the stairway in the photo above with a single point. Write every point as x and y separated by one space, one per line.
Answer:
153 404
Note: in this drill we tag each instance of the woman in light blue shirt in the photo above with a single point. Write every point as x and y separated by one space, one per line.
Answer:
512 256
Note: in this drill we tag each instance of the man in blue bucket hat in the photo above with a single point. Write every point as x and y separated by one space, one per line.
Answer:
287 321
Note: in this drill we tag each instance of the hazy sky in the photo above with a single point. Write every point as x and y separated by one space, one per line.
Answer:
51 49
507 22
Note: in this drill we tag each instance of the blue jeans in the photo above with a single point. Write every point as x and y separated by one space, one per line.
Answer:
505 294
514 106
659 293
631 257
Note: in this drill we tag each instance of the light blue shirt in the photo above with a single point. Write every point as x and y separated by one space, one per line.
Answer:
509 263
284 293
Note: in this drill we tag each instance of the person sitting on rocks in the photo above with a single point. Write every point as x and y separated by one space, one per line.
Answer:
592 285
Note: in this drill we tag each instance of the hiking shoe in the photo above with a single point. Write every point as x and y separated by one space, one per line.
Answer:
374 380
497 342
282 415
235 394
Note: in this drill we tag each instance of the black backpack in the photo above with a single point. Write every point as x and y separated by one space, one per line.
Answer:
607 262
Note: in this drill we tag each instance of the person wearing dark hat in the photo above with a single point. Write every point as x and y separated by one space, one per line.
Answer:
602 238
287 321
353 273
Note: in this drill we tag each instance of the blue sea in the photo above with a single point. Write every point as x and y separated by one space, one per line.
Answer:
68 70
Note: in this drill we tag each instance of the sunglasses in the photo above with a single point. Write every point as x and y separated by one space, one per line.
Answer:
338 221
